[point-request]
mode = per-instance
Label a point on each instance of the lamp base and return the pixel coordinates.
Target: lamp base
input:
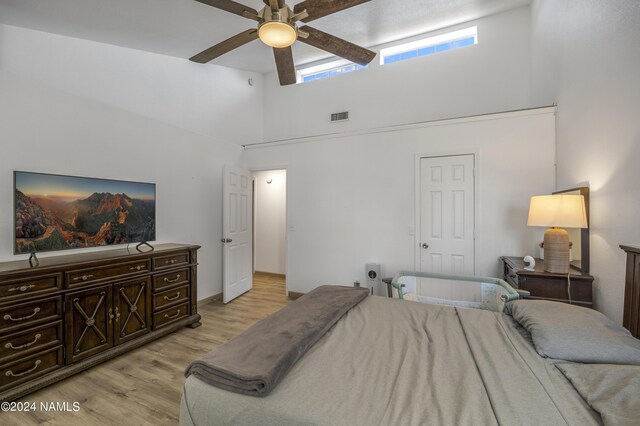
(556, 251)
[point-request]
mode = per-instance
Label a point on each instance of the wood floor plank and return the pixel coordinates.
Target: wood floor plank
(144, 386)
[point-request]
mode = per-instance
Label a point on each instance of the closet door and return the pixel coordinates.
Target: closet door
(447, 225)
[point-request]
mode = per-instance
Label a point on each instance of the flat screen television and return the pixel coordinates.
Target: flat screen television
(56, 212)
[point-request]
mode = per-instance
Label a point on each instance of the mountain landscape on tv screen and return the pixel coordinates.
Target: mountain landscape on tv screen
(45, 224)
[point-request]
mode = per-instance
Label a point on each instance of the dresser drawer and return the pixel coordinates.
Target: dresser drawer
(171, 279)
(30, 368)
(557, 289)
(25, 315)
(168, 316)
(27, 287)
(170, 297)
(172, 261)
(26, 342)
(81, 277)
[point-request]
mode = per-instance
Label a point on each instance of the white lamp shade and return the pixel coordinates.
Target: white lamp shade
(561, 210)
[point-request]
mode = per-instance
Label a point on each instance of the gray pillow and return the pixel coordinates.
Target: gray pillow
(572, 333)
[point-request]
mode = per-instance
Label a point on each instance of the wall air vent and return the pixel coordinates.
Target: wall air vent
(339, 116)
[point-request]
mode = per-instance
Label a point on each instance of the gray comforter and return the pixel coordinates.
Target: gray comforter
(396, 362)
(254, 362)
(612, 390)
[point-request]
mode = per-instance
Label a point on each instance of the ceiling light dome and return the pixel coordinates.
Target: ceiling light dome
(277, 34)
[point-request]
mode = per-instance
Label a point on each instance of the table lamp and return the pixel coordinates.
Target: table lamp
(557, 211)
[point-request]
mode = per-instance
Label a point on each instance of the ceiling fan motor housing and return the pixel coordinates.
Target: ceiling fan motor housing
(272, 29)
(276, 28)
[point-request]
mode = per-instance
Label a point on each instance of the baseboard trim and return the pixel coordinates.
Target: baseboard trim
(271, 274)
(293, 295)
(210, 299)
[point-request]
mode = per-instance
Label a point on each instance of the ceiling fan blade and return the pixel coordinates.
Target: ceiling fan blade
(280, 4)
(319, 8)
(230, 6)
(337, 46)
(286, 68)
(226, 46)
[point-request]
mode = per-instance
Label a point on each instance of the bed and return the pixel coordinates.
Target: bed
(388, 361)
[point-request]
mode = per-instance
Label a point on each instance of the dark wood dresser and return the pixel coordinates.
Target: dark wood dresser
(74, 311)
(631, 316)
(548, 286)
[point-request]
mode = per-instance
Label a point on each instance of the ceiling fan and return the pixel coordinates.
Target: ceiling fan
(277, 28)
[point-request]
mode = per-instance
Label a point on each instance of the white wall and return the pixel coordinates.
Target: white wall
(269, 207)
(492, 76)
(207, 99)
(351, 197)
(77, 107)
(586, 56)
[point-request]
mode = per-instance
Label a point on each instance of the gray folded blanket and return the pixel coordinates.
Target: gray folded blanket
(254, 362)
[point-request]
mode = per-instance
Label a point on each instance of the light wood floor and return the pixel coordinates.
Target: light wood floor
(144, 386)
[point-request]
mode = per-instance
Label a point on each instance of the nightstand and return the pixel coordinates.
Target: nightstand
(547, 286)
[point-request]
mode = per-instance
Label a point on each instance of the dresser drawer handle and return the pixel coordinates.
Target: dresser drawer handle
(176, 297)
(10, 318)
(175, 280)
(176, 315)
(170, 262)
(26, 345)
(22, 287)
(136, 268)
(12, 374)
(83, 277)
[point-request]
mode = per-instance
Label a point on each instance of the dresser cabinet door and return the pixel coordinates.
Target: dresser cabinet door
(132, 309)
(89, 318)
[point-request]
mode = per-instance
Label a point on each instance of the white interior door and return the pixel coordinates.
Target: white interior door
(447, 224)
(236, 233)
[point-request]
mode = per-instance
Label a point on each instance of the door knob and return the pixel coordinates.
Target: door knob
(226, 240)
(425, 245)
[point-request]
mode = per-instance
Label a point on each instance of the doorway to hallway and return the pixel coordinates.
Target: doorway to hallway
(269, 223)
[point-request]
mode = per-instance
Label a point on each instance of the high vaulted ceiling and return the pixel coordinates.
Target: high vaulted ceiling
(183, 28)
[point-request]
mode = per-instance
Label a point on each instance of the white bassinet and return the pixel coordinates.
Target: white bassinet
(454, 290)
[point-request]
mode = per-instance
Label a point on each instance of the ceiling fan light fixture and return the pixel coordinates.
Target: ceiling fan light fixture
(277, 34)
